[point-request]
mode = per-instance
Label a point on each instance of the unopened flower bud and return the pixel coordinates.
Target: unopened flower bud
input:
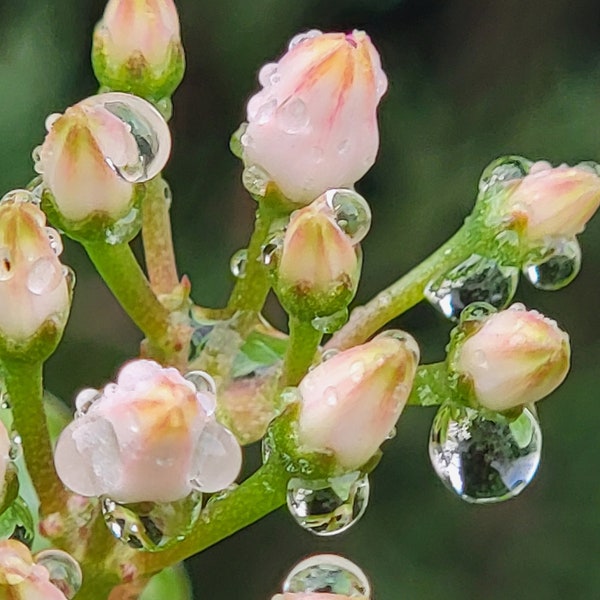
(152, 436)
(137, 48)
(351, 402)
(313, 125)
(555, 201)
(513, 357)
(35, 295)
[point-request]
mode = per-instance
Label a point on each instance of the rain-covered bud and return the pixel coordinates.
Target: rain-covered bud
(313, 125)
(351, 402)
(151, 436)
(137, 48)
(554, 201)
(513, 357)
(35, 293)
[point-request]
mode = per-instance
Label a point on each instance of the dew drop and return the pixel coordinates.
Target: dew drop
(292, 116)
(555, 265)
(271, 251)
(51, 120)
(45, 275)
(407, 340)
(84, 401)
(235, 143)
(357, 371)
(125, 228)
(202, 381)
(343, 146)
(502, 171)
(329, 354)
(255, 180)
(55, 241)
(302, 37)
(70, 276)
(264, 113)
(6, 266)
(15, 451)
(351, 211)
(23, 197)
(36, 156)
(330, 323)
(238, 263)
(481, 456)
(64, 571)
(268, 74)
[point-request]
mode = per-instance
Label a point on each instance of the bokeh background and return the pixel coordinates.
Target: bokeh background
(469, 80)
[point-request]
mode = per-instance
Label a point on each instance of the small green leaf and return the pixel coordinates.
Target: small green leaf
(259, 350)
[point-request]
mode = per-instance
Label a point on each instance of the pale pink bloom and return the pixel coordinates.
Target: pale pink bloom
(313, 125)
(151, 436)
(351, 402)
(315, 596)
(21, 578)
(516, 357)
(34, 289)
(555, 202)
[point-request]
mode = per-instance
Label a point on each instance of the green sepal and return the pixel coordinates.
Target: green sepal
(37, 348)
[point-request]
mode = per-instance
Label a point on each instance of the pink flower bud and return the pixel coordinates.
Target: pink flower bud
(556, 202)
(313, 125)
(34, 287)
(21, 578)
(152, 436)
(351, 402)
(516, 357)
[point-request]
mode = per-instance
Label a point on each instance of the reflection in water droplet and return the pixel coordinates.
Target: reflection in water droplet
(407, 340)
(478, 279)
(15, 451)
(202, 381)
(45, 275)
(329, 354)
(330, 323)
(481, 456)
(328, 507)
(329, 574)
(502, 171)
(301, 37)
(84, 401)
(292, 116)
(555, 266)
(267, 73)
(264, 113)
(55, 240)
(16, 523)
(238, 263)
(352, 212)
(271, 251)
(125, 229)
(63, 569)
(23, 196)
(255, 180)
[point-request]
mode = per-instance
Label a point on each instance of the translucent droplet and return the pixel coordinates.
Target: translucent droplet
(407, 340)
(255, 180)
(85, 399)
(152, 526)
(352, 212)
(343, 146)
(4, 397)
(148, 128)
(238, 263)
(15, 451)
(124, 229)
(23, 197)
(202, 381)
(328, 574)
(235, 143)
(264, 113)
(555, 266)
(302, 37)
(63, 569)
(329, 354)
(55, 240)
(483, 457)
(267, 73)
(70, 276)
(292, 116)
(45, 275)
(16, 523)
(6, 265)
(328, 507)
(272, 249)
(51, 120)
(330, 323)
(502, 171)
(478, 279)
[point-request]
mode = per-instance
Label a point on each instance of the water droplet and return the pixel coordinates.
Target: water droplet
(15, 451)
(124, 229)
(51, 120)
(36, 156)
(63, 569)
(343, 146)
(84, 401)
(45, 275)
(264, 113)
(328, 507)
(255, 180)
(502, 171)
(292, 116)
(4, 397)
(481, 456)
(302, 37)
(478, 312)
(202, 381)
(329, 574)
(6, 265)
(148, 128)
(23, 196)
(392, 434)
(55, 241)
(407, 340)
(152, 526)
(554, 266)
(271, 251)
(330, 323)
(238, 263)
(267, 75)
(478, 279)
(351, 211)
(16, 523)
(357, 371)
(328, 354)
(70, 276)
(235, 142)
(382, 84)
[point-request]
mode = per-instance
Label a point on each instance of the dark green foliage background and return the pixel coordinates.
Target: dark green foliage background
(470, 80)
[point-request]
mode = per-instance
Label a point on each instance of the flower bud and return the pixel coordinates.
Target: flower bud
(515, 357)
(34, 286)
(313, 125)
(555, 202)
(137, 48)
(351, 402)
(152, 436)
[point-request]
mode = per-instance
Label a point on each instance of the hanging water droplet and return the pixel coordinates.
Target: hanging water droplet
(267, 74)
(64, 571)
(478, 312)
(502, 171)
(16, 523)
(483, 457)
(45, 275)
(292, 116)
(555, 266)
(255, 180)
(477, 279)
(152, 526)
(124, 229)
(85, 399)
(392, 434)
(202, 381)
(238, 263)
(330, 323)
(148, 128)
(302, 37)
(6, 266)
(351, 211)
(407, 340)
(328, 574)
(328, 507)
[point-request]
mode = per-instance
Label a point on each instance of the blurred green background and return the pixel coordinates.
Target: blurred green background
(469, 80)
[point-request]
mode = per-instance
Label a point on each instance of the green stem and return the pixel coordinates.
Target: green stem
(408, 290)
(158, 238)
(300, 353)
(259, 495)
(431, 386)
(25, 389)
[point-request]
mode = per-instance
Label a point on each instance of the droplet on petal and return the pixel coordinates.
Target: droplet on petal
(45, 275)
(301, 37)
(64, 571)
(352, 212)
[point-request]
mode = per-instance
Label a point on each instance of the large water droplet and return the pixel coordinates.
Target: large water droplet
(255, 180)
(483, 457)
(45, 275)
(330, 323)
(328, 574)
(302, 37)
(478, 279)
(64, 571)
(293, 116)
(202, 381)
(16, 523)
(351, 212)
(124, 229)
(6, 264)
(554, 266)
(502, 171)
(328, 507)
(148, 128)
(84, 401)
(152, 526)
(238, 263)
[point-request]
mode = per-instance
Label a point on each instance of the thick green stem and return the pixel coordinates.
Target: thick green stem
(300, 353)
(26, 392)
(259, 495)
(158, 239)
